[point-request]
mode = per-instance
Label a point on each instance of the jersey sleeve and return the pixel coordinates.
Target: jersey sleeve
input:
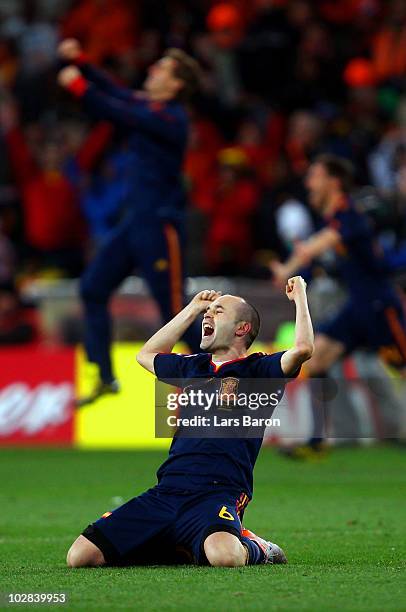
(157, 122)
(269, 366)
(171, 366)
(350, 225)
(105, 83)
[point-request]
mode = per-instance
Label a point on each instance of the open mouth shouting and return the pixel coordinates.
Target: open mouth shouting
(207, 331)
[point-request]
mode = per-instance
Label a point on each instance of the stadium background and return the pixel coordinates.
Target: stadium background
(282, 81)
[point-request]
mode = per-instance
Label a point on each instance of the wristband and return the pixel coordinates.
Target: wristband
(78, 86)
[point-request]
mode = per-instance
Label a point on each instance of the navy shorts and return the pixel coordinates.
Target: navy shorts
(166, 526)
(376, 326)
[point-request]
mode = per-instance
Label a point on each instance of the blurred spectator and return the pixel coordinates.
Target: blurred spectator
(15, 320)
(360, 72)
(106, 28)
(224, 20)
(8, 63)
(272, 235)
(314, 71)
(32, 38)
(8, 259)
(231, 201)
(267, 53)
(389, 46)
(37, 41)
(219, 52)
(283, 81)
(52, 221)
(103, 193)
(390, 209)
(346, 11)
(384, 161)
(303, 140)
(99, 174)
(201, 159)
(250, 139)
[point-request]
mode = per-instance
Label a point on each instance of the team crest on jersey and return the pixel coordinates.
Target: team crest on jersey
(229, 391)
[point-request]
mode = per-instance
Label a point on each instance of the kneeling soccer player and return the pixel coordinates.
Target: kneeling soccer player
(194, 513)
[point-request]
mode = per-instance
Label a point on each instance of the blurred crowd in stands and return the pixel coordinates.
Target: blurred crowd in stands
(283, 80)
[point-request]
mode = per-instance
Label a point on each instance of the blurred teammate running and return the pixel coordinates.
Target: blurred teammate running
(373, 316)
(152, 235)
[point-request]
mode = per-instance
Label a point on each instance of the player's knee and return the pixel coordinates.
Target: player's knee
(224, 549)
(74, 558)
(84, 553)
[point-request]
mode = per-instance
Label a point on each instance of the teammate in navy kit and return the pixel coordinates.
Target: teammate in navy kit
(152, 234)
(373, 316)
(194, 513)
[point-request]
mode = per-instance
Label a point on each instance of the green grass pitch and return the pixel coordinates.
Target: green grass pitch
(342, 523)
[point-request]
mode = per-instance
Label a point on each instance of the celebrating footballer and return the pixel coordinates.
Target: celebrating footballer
(194, 513)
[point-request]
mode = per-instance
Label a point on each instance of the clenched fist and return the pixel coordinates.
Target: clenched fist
(295, 287)
(204, 298)
(69, 49)
(67, 75)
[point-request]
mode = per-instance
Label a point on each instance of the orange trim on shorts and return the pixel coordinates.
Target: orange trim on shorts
(175, 267)
(397, 329)
(241, 503)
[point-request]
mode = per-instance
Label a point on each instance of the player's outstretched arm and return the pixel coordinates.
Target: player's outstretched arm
(165, 339)
(168, 126)
(70, 51)
(304, 337)
(304, 253)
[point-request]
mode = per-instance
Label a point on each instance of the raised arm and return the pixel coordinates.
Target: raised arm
(304, 338)
(23, 163)
(70, 52)
(158, 122)
(304, 253)
(104, 82)
(165, 339)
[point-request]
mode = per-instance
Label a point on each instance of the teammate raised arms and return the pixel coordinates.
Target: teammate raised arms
(194, 514)
(152, 235)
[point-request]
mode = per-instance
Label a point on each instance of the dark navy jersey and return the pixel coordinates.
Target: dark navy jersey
(210, 462)
(361, 262)
(157, 138)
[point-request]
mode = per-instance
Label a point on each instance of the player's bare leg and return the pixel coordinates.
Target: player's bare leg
(224, 549)
(326, 353)
(84, 553)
